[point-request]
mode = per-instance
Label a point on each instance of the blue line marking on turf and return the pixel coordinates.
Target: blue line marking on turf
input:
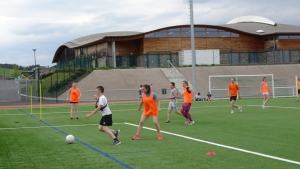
(130, 152)
(83, 143)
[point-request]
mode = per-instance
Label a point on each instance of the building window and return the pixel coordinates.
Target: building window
(283, 56)
(212, 34)
(234, 35)
(200, 34)
(161, 34)
(174, 33)
(235, 58)
(283, 37)
(149, 35)
(224, 34)
(295, 37)
(252, 57)
(186, 32)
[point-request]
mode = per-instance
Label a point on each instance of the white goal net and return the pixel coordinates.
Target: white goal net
(250, 85)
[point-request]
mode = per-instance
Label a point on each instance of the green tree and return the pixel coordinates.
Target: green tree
(15, 72)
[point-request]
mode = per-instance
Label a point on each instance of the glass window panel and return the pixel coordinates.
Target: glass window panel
(161, 34)
(199, 29)
(212, 34)
(235, 58)
(211, 30)
(186, 34)
(235, 35)
(185, 29)
(283, 37)
(252, 57)
(149, 35)
(199, 34)
(295, 37)
(174, 34)
(224, 34)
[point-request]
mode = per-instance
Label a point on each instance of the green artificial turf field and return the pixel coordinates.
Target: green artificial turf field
(27, 143)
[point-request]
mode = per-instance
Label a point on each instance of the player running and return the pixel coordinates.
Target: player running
(298, 84)
(188, 94)
(151, 108)
(265, 91)
(173, 102)
(233, 93)
(106, 119)
(75, 95)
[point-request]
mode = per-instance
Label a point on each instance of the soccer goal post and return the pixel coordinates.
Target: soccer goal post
(249, 85)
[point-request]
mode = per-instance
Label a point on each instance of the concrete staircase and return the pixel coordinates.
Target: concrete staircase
(173, 75)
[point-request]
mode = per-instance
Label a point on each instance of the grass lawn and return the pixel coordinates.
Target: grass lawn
(27, 143)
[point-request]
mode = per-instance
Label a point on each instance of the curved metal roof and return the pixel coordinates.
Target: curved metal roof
(238, 25)
(96, 37)
(251, 18)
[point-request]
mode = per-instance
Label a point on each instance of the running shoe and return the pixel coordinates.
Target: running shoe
(136, 137)
(191, 122)
(116, 142)
(159, 137)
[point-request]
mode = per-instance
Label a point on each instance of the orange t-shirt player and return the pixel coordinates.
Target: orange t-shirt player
(151, 108)
(233, 92)
(75, 95)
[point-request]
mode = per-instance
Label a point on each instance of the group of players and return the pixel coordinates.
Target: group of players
(151, 105)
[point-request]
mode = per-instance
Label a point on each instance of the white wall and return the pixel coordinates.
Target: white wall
(206, 57)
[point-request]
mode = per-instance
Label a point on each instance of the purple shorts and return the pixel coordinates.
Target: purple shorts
(185, 108)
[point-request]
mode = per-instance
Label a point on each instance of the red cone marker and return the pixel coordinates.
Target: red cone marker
(211, 153)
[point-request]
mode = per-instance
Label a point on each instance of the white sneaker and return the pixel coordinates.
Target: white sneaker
(191, 122)
(240, 109)
(232, 111)
(187, 121)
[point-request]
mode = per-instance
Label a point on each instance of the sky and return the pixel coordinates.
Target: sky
(46, 24)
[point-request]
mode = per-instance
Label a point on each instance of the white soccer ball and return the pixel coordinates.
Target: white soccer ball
(70, 139)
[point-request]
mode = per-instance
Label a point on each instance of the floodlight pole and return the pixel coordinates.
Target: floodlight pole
(193, 48)
(36, 75)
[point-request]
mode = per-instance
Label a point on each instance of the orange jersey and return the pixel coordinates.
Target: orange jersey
(75, 93)
(264, 87)
(233, 89)
(150, 108)
(188, 97)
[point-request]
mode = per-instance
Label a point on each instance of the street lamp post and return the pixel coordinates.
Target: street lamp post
(35, 74)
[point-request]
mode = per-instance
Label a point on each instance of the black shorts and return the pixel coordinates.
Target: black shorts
(298, 91)
(106, 120)
(233, 98)
(73, 102)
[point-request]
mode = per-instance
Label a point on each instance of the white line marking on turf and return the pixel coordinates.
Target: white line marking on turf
(221, 145)
(38, 127)
(279, 107)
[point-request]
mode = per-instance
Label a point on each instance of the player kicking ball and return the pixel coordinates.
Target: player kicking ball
(106, 120)
(151, 108)
(233, 93)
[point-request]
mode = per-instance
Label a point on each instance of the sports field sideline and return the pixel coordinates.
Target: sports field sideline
(255, 138)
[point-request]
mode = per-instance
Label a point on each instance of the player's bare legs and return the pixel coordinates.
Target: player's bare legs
(71, 111)
(266, 99)
(76, 109)
(233, 106)
(141, 124)
(168, 115)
